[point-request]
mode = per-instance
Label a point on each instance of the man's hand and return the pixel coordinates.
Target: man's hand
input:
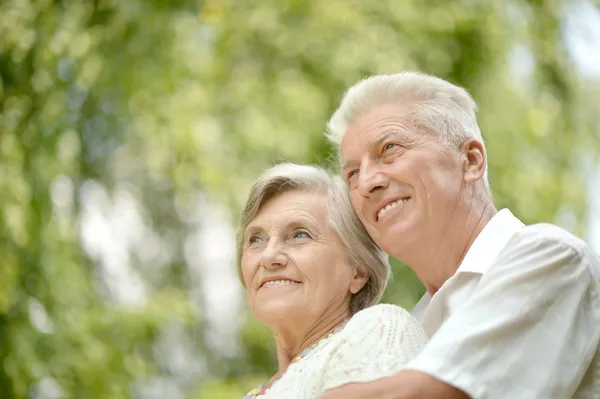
(355, 391)
(406, 384)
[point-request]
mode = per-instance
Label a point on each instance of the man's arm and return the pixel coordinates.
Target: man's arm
(406, 384)
(530, 330)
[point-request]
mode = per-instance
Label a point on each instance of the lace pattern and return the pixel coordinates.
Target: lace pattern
(376, 342)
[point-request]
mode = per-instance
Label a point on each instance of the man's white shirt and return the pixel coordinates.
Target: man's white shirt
(519, 319)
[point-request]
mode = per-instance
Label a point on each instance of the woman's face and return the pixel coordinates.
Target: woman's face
(293, 263)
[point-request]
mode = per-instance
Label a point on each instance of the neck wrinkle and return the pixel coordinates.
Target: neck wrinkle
(457, 239)
(291, 342)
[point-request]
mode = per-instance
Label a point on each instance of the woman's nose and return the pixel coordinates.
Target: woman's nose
(273, 257)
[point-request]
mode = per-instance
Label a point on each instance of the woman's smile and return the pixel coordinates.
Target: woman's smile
(279, 284)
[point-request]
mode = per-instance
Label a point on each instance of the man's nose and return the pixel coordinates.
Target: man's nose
(371, 179)
(273, 256)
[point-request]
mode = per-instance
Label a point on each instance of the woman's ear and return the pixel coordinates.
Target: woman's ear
(358, 280)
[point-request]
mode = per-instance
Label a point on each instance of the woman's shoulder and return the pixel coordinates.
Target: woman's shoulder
(382, 314)
(377, 341)
(383, 321)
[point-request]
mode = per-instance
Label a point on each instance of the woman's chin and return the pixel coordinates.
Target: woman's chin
(274, 304)
(277, 311)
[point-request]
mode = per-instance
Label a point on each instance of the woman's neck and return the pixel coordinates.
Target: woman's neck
(299, 334)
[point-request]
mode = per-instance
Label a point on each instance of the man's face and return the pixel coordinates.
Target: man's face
(404, 182)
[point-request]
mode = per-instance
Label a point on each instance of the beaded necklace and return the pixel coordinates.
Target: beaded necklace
(256, 392)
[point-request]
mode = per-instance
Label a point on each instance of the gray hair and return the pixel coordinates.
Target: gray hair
(436, 105)
(361, 250)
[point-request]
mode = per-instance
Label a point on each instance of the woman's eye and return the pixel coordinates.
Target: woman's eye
(301, 234)
(352, 173)
(253, 239)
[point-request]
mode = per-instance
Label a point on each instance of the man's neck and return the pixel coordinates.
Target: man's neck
(445, 259)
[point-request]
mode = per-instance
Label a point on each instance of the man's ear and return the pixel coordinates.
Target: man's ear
(359, 280)
(474, 160)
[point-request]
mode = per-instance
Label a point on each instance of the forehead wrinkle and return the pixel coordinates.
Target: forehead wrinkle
(374, 142)
(393, 125)
(383, 136)
(400, 132)
(299, 216)
(299, 219)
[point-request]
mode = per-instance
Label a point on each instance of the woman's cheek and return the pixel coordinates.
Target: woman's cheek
(248, 271)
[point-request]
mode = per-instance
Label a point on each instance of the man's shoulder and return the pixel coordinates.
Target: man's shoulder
(553, 243)
(550, 234)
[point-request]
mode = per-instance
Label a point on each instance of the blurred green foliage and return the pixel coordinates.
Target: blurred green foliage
(157, 105)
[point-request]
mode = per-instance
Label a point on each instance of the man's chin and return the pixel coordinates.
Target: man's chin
(395, 239)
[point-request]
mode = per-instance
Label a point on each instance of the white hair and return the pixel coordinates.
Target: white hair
(361, 250)
(436, 105)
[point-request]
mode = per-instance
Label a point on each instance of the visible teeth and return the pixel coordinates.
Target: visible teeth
(278, 282)
(390, 206)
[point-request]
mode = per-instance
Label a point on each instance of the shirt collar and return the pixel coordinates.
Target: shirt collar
(488, 244)
(483, 252)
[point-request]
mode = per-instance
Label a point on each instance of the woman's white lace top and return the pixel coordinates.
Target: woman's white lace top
(376, 342)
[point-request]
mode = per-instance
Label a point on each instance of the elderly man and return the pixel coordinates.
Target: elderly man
(513, 311)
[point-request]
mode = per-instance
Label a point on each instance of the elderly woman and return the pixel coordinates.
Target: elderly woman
(312, 274)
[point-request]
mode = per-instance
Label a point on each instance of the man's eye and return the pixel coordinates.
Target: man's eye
(388, 146)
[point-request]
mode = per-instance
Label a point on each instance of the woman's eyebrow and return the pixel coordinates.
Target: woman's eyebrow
(307, 221)
(251, 229)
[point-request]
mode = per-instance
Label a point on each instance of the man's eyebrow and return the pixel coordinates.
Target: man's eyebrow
(375, 143)
(386, 135)
(344, 164)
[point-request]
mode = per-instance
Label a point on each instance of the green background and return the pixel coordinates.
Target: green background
(130, 131)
